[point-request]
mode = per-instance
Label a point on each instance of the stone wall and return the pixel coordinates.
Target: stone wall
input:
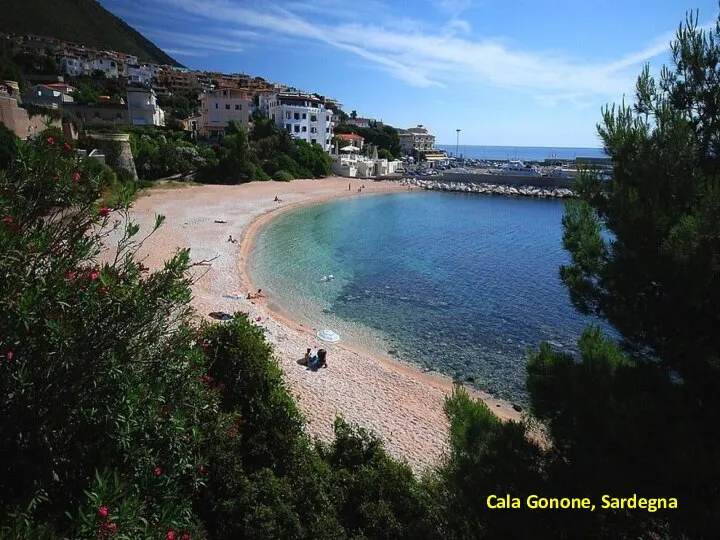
(17, 120)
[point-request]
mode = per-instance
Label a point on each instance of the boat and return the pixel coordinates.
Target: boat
(516, 168)
(563, 172)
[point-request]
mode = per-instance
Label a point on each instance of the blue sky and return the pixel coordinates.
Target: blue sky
(505, 72)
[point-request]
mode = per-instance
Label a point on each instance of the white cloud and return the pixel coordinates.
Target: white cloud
(185, 52)
(426, 57)
(452, 7)
(203, 42)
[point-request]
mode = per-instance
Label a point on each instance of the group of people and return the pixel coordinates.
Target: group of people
(315, 360)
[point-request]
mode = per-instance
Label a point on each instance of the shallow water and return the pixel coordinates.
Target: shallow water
(458, 283)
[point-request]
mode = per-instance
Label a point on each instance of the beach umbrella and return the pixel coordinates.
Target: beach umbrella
(350, 148)
(328, 336)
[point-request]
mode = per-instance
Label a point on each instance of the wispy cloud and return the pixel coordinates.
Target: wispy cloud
(186, 52)
(204, 41)
(436, 56)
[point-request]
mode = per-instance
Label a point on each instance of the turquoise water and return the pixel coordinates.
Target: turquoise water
(457, 283)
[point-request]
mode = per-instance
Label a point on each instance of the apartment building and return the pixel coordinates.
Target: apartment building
(52, 95)
(303, 115)
(143, 109)
(109, 66)
(177, 80)
(221, 106)
(416, 139)
(73, 66)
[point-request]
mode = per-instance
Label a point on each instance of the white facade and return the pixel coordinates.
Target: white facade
(143, 109)
(106, 65)
(139, 74)
(221, 106)
(303, 116)
(75, 67)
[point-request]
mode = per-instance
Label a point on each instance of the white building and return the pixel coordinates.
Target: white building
(221, 106)
(75, 67)
(143, 109)
(303, 116)
(107, 65)
(139, 74)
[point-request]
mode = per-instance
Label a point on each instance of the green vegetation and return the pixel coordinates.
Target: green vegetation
(266, 152)
(383, 137)
(121, 416)
(80, 21)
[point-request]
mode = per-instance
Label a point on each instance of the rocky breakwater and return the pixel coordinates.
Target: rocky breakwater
(488, 189)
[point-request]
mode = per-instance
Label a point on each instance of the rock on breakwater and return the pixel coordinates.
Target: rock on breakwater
(488, 189)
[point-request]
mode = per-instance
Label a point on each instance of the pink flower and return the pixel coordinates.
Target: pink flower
(8, 221)
(206, 344)
(206, 379)
(170, 535)
(186, 536)
(76, 176)
(103, 511)
(232, 432)
(104, 210)
(201, 468)
(104, 289)
(10, 354)
(70, 275)
(157, 471)
(94, 275)
(51, 140)
(67, 147)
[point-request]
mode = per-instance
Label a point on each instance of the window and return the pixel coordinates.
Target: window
(313, 130)
(216, 105)
(288, 116)
(313, 141)
(288, 127)
(304, 129)
(273, 117)
(313, 117)
(224, 93)
(237, 107)
(304, 116)
(297, 128)
(227, 106)
(297, 116)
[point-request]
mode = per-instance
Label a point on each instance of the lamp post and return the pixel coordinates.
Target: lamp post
(457, 144)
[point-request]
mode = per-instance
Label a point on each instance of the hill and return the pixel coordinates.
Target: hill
(81, 21)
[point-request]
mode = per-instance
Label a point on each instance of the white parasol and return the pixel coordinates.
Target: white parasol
(350, 148)
(328, 335)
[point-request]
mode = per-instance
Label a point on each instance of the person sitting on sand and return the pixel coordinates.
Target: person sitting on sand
(258, 294)
(230, 238)
(319, 360)
(276, 199)
(306, 358)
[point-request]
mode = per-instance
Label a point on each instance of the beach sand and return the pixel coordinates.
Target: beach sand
(396, 401)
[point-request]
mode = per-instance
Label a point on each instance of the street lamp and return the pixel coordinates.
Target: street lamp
(457, 144)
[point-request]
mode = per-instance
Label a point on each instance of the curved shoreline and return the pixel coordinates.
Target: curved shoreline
(503, 409)
(400, 404)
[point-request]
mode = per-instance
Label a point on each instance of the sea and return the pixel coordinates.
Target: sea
(462, 284)
(524, 153)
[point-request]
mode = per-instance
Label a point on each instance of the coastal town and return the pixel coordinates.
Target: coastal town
(144, 94)
(89, 90)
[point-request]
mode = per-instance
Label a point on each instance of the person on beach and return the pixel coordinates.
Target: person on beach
(319, 360)
(258, 294)
(348, 186)
(307, 357)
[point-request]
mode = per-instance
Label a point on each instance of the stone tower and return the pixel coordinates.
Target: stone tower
(125, 159)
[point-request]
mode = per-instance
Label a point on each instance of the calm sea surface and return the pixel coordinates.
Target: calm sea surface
(459, 283)
(527, 153)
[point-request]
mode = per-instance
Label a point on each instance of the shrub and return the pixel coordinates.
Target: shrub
(282, 176)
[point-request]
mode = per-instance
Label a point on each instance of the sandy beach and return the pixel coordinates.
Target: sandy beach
(401, 404)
